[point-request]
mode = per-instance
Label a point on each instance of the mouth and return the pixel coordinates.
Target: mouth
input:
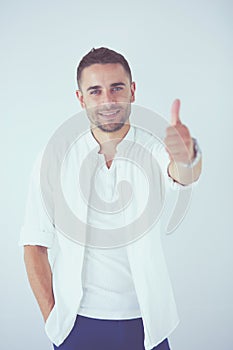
(109, 114)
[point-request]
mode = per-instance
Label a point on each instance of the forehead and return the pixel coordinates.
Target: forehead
(103, 74)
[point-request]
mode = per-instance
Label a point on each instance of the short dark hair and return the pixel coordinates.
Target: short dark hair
(102, 55)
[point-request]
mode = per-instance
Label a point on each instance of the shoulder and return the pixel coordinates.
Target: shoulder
(149, 140)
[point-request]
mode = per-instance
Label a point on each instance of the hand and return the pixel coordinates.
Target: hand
(46, 312)
(178, 141)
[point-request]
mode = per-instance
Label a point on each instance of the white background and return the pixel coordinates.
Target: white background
(176, 49)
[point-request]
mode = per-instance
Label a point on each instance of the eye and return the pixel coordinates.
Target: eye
(117, 88)
(95, 92)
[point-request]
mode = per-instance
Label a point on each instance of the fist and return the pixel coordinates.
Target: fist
(178, 141)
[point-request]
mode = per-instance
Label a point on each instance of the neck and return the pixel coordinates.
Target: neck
(109, 140)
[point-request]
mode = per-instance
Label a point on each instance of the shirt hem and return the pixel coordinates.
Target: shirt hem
(152, 345)
(112, 316)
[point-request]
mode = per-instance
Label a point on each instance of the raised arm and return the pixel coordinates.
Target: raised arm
(181, 150)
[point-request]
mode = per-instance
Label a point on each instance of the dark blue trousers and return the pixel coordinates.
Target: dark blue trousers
(98, 334)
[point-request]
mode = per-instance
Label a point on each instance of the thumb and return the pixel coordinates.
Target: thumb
(175, 111)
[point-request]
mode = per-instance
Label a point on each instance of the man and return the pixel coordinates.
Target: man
(120, 297)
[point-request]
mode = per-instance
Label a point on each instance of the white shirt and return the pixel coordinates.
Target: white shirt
(108, 288)
(145, 255)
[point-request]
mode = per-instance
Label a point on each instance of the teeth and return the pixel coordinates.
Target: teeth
(108, 113)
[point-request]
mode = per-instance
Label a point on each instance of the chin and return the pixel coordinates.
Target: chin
(110, 127)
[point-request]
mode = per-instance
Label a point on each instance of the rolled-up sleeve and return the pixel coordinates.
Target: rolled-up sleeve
(163, 159)
(38, 228)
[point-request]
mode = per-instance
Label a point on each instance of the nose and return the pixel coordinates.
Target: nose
(107, 97)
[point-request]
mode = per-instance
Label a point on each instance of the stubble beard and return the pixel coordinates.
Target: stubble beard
(111, 125)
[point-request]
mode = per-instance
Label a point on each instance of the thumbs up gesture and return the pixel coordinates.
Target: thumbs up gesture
(178, 141)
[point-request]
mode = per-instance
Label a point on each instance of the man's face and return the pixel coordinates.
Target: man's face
(106, 93)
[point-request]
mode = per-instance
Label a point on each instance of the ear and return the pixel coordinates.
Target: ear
(80, 97)
(133, 89)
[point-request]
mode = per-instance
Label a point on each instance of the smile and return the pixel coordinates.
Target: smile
(109, 114)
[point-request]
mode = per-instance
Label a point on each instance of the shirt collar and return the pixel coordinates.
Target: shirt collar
(92, 142)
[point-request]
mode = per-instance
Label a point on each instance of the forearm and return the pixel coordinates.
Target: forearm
(183, 175)
(40, 277)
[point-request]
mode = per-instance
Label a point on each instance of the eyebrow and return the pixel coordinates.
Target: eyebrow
(99, 87)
